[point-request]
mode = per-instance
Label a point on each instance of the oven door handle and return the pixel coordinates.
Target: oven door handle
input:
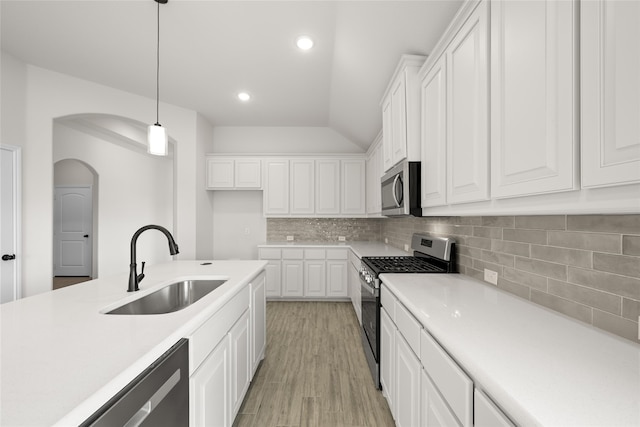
(370, 288)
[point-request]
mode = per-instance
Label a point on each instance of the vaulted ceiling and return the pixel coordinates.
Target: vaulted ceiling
(210, 50)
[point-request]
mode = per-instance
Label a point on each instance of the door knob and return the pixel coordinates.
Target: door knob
(86, 235)
(7, 257)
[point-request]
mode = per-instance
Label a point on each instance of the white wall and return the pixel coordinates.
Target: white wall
(51, 95)
(280, 140)
(135, 189)
(234, 213)
(204, 198)
(70, 172)
(13, 89)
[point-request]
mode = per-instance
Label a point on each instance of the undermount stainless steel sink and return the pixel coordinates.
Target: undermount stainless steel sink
(172, 297)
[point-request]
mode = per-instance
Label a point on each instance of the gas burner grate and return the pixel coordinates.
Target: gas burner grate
(402, 264)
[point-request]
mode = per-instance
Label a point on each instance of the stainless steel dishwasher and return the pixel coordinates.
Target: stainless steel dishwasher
(159, 396)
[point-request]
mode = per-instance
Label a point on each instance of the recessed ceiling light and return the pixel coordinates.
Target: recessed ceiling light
(304, 42)
(244, 96)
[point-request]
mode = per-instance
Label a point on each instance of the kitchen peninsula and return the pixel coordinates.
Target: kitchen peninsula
(62, 358)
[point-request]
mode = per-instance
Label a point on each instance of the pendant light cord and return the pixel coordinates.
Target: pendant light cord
(158, 70)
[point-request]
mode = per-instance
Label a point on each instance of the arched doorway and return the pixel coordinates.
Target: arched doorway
(75, 222)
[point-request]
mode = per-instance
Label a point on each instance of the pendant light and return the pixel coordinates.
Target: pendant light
(156, 134)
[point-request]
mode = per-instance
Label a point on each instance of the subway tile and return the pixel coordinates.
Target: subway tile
(625, 224)
(498, 258)
(498, 221)
(614, 283)
(464, 230)
(541, 222)
(515, 248)
(617, 325)
(569, 308)
(618, 264)
(514, 288)
(630, 309)
(543, 268)
(599, 242)
(631, 245)
(488, 232)
(574, 257)
(481, 265)
(587, 296)
(469, 251)
(465, 260)
(478, 242)
(526, 236)
(525, 278)
(476, 274)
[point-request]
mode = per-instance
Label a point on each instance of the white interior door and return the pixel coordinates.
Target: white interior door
(72, 228)
(9, 225)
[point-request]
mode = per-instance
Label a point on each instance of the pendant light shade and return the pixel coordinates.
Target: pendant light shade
(157, 138)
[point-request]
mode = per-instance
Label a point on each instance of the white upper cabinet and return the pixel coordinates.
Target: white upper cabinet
(610, 92)
(225, 173)
(434, 136)
(276, 187)
(327, 187)
(533, 99)
(373, 174)
(302, 187)
(468, 111)
(353, 187)
(401, 113)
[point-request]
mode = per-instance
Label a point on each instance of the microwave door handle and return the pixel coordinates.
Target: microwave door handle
(394, 192)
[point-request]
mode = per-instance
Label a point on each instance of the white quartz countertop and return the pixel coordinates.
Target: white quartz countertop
(360, 248)
(542, 368)
(61, 358)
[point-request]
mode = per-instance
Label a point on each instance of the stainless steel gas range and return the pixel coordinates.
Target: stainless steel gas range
(431, 255)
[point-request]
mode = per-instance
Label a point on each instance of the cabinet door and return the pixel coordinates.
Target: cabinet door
(240, 361)
(434, 136)
(533, 99)
(314, 279)
(327, 187)
(399, 120)
(610, 92)
(353, 187)
(434, 411)
(467, 111)
(210, 389)
(302, 187)
(337, 278)
(258, 321)
(387, 134)
(219, 173)
(248, 173)
(388, 359)
(273, 278)
(354, 292)
(276, 188)
(407, 384)
(292, 278)
(486, 413)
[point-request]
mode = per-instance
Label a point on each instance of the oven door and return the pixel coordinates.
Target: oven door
(370, 301)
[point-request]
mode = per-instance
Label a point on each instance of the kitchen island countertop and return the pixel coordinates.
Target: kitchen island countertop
(541, 367)
(61, 358)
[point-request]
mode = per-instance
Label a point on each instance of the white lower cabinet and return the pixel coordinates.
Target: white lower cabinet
(273, 279)
(240, 336)
(486, 413)
(407, 384)
(314, 278)
(258, 321)
(209, 389)
(337, 280)
(292, 278)
(434, 410)
(387, 359)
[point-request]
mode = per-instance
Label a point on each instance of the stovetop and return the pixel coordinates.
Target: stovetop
(401, 264)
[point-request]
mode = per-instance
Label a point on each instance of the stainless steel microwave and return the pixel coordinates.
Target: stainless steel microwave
(401, 190)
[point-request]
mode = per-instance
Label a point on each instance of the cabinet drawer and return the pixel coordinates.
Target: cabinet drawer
(388, 301)
(269, 253)
(314, 254)
(292, 254)
(408, 326)
(454, 385)
(337, 254)
(207, 336)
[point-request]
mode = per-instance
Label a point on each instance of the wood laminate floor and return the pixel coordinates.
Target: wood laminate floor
(314, 372)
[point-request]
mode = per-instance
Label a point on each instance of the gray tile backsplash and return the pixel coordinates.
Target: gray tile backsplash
(584, 266)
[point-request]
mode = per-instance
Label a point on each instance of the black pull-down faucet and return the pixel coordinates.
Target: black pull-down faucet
(134, 278)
